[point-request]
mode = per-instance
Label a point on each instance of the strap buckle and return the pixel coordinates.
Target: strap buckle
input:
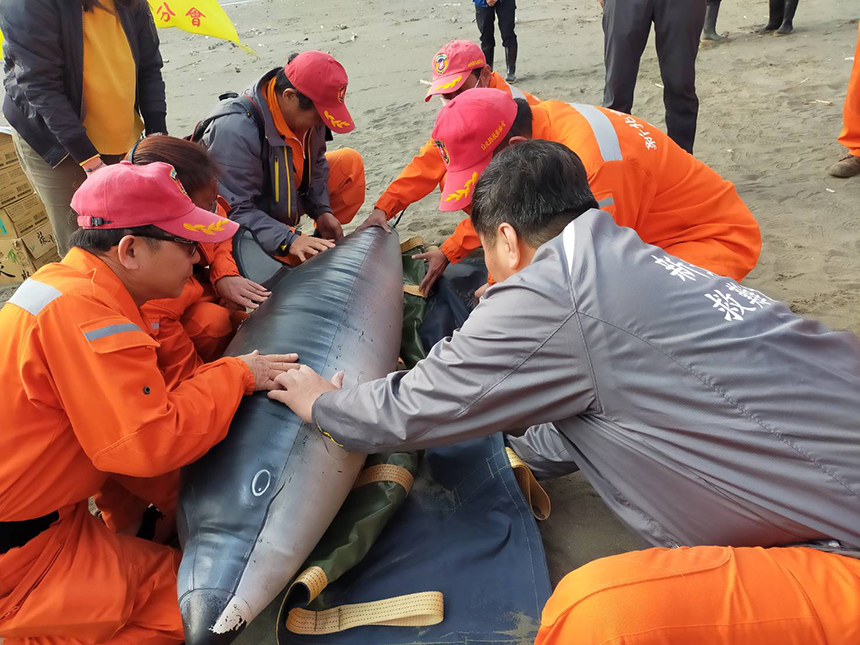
(87, 221)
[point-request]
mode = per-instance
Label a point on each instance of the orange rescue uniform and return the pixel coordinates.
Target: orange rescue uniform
(346, 183)
(850, 137)
(708, 595)
(648, 183)
(86, 407)
(196, 313)
(426, 171)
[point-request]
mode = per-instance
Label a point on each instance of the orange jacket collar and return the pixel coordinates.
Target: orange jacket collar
(105, 280)
(278, 116)
(541, 127)
(498, 83)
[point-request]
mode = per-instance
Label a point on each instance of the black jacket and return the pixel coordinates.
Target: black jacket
(44, 61)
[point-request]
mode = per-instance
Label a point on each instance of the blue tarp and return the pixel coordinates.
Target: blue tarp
(465, 530)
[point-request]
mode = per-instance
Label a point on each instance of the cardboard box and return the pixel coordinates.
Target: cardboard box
(16, 263)
(14, 184)
(40, 241)
(8, 156)
(23, 216)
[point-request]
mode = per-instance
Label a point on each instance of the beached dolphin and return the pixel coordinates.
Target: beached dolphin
(254, 507)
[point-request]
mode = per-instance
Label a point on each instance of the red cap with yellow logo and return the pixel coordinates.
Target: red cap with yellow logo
(467, 132)
(127, 196)
(452, 66)
(323, 80)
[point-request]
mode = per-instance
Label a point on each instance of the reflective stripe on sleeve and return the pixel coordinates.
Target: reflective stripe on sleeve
(110, 330)
(601, 126)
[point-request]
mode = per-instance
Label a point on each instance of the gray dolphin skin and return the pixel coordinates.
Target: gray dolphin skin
(253, 508)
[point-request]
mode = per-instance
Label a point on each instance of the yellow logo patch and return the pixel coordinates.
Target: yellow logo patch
(457, 195)
(336, 122)
(448, 86)
(214, 227)
(493, 136)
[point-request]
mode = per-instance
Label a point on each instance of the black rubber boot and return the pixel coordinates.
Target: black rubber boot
(511, 62)
(788, 18)
(777, 13)
(488, 54)
(709, 33)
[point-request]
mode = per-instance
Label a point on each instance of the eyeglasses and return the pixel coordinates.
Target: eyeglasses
(190, 245)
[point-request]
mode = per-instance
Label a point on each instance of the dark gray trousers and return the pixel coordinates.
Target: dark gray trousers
(506, 10)
(677, 26)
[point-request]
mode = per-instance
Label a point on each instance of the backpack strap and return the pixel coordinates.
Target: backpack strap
(248, 105)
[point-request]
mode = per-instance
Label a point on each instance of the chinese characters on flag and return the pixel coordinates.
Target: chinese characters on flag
(203, 17)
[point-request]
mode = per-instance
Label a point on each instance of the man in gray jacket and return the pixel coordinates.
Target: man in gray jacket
(270, 144)
(702, 412)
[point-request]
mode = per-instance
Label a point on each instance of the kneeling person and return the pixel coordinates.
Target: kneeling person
(702, 412)
(206, 315)
(458, 67)
(270, 144)
(87, 409)
(637, 174)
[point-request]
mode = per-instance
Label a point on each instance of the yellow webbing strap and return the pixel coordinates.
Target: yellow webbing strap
(412, 610)
(411, 243)
(314, 579)
(534, 493)
(413, 290)
(386, 473)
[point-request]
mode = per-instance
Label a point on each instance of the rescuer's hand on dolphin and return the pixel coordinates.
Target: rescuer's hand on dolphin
(266, 368)
(241, 292)
(301, 388)
(436, 264)
(305, 246)
(376, 218)
(329, 227)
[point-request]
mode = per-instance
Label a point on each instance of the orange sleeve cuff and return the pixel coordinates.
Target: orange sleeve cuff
(218, 271)
(453, 251)
(389, 205)
(222, 262)
(462, 242)
(250, 385)
(417, 180)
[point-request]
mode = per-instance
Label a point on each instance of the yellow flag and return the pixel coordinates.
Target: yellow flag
(204, 17)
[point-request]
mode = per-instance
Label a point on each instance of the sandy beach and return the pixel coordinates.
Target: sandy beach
(771, 109)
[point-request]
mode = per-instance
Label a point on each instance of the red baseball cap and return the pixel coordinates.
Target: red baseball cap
(125, 195)
(452, 66)
(467, 132)
(323, 80)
